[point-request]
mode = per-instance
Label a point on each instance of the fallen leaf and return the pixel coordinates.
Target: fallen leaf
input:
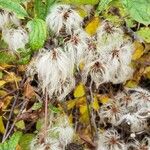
(84, 116)
(79, 90)
(70, 118)
(81, 65)
(83, 109)
(71, 104)
(20, 124)
(1, 74)
(103, 98)
(2, 83)
(92, 26)
(12, 77)
(2, 128)
(139, 50)
(131, 84)
(147, 72)
(29, 91)
(2, 93)
(95, 104)
(6, 101)
(6, 66)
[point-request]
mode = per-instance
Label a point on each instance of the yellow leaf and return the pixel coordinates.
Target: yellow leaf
(139, 50)
(2, 93)
(11, 77)
(2, 82)
(148, 75)
(92, 26)
(131, 84)
(103, 98)
(84, 117)
(95, 104)
(147, 69)
(81, 12)
(70, 118)
(81, 66)
(6, 66)
(147, 72)
(2, 128)
(71, 104)
(79, 91)
(83, 109)
(6, 102)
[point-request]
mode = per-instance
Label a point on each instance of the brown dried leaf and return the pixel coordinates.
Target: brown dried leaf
(29, 91)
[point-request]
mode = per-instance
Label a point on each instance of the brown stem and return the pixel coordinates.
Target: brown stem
(12, 126)
(89, 98)
(46, 114)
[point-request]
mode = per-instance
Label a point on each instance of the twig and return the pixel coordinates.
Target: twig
(9, 118)
(9, 132)
(11, 92)
(92, 114)
(46, 113)
(93, 127)
(5, 136)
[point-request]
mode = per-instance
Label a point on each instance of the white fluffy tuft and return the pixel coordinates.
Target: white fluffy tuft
(15, 38)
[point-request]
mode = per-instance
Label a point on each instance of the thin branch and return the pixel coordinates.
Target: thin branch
(46, 114)
(9, 132)
(11, 92)
(10, 116)
(5, 136)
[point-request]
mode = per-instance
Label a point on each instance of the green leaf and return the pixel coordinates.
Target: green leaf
(102, 5)
(36, 106)
(25, 141)
(25, 56)
(144, 33)
(39, 124)
(19, 1)
(49, 3)
(1, 74)
(6, 57)
(54, 109)
(81, 2)
(40, 9)
(12, 142)
(20, 124)
(139, 10)
(37, 33)
(13, 7)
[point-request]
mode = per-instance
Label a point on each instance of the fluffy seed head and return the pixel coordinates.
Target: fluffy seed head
(7, 19)
(55, 72)
(15, 38)
(110, 140)
(63, 17)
